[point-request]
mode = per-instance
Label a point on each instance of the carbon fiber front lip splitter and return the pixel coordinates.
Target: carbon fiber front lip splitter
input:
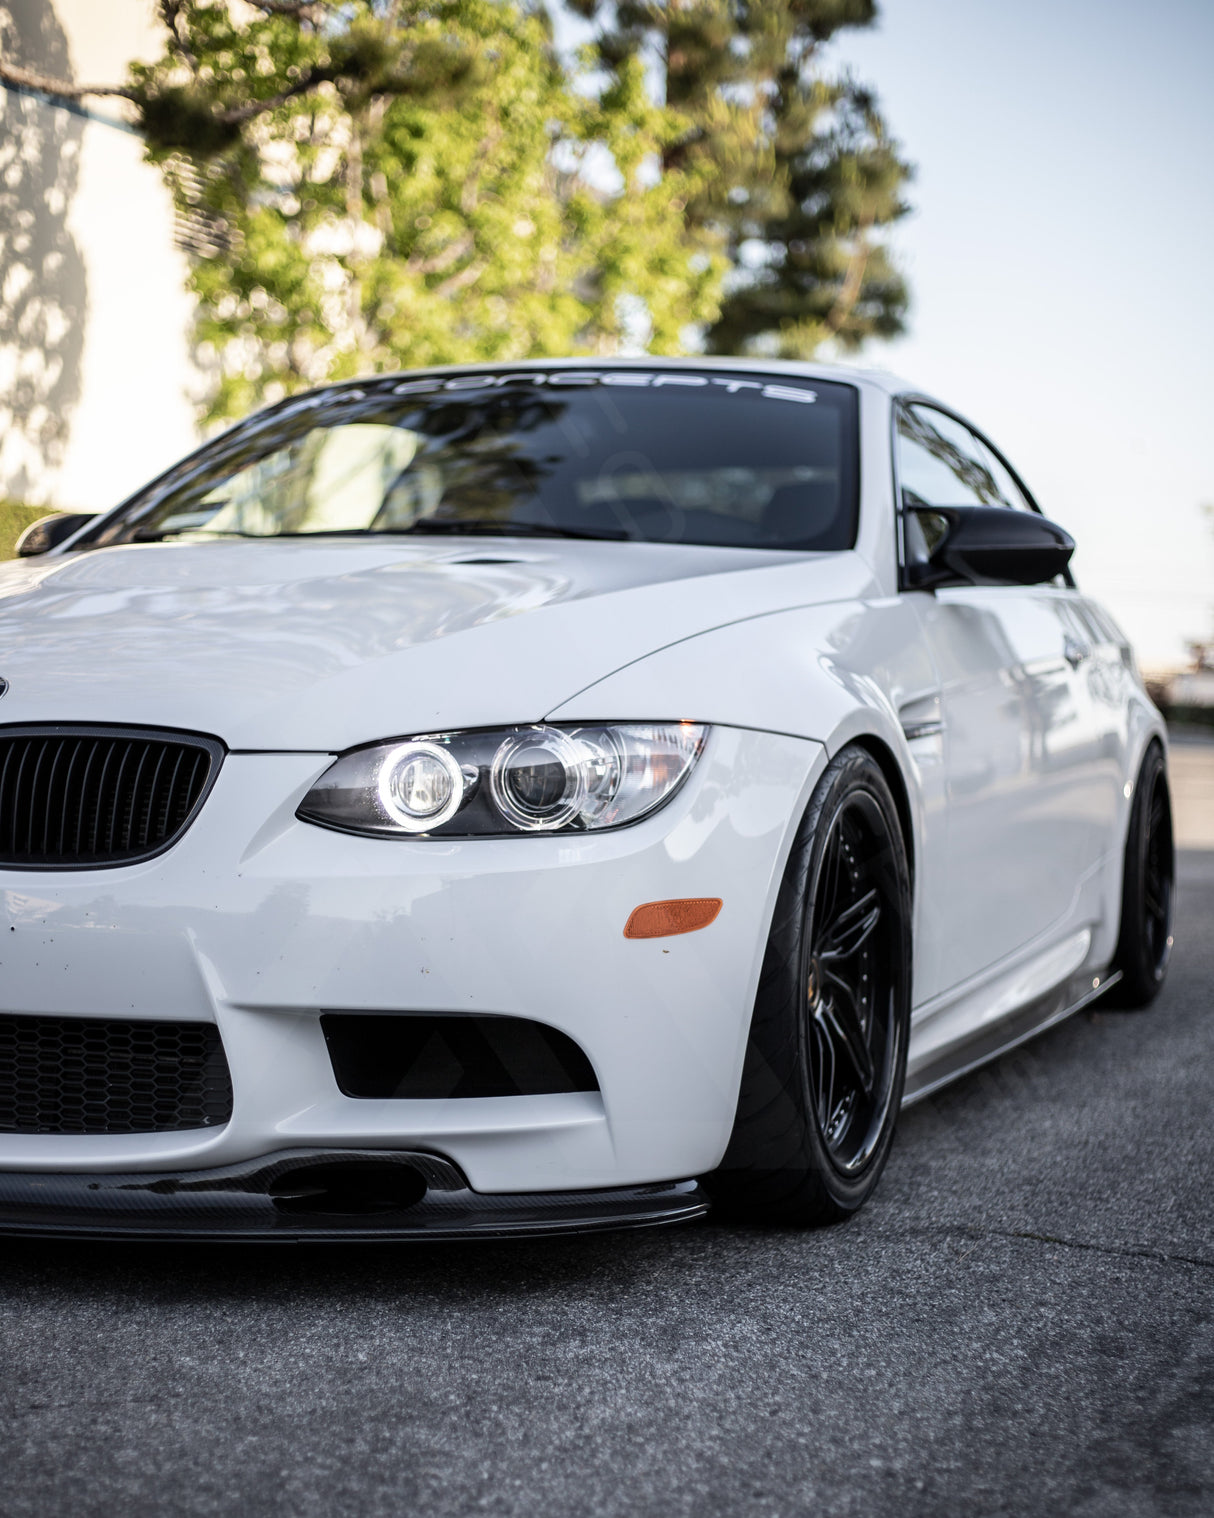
(288, 1196)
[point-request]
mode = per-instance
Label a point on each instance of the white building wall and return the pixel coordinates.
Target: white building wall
(96, 376)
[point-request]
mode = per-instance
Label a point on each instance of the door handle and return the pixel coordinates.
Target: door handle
(1074, 652)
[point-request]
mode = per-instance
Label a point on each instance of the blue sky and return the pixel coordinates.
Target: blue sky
(1061, 257)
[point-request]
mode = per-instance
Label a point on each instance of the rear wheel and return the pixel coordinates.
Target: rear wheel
(1147, 889)
(826, 1058)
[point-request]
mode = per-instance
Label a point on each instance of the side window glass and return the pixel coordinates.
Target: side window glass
(1010, 492)
(1100, 629)
(942, 463)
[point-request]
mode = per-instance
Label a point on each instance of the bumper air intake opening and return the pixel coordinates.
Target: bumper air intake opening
(110, 1075)
(429, 1056)
(348, 1189)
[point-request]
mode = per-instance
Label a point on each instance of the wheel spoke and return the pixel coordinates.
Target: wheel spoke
(832, 867)
(850, 999)
(826, 1074)
(850, 930)
(1155, 887)
(839, 1021)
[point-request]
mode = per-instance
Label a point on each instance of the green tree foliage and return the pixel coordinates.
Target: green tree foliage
(364, 185)
(799, 175)
(368, 186)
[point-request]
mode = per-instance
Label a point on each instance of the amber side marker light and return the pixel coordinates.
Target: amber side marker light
(661, 919)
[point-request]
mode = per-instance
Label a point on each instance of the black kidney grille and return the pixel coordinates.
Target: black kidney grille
(102, 1075)
(72, 798)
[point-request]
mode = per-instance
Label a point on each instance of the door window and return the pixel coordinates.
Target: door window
(942, 463)
(1009, 492)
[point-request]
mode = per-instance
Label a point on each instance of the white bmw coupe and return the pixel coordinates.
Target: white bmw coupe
(541, 797)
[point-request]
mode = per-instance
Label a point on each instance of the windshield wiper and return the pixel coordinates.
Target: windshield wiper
(474, 526)
(484, 526)
(157, 536)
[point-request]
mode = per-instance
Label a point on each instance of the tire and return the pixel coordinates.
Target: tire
(1148, 889)
(810, 1138)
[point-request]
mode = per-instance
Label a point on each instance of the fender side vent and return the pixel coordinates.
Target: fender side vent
(426, 1056)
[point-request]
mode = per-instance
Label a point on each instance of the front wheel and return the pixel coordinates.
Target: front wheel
(826, 1058)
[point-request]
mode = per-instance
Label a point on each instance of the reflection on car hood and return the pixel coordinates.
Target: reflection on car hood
(319, 645)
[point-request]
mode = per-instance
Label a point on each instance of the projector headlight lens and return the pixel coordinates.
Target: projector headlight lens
(536, 780)
(420, 786)
(540, 779)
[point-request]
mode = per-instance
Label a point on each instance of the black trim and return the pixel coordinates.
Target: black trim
(903, 402)
(49, 532)
(431, 1056)
(990, 545)
(214, 748)
(979, 1046)
(103, 1075)
(299, 1195)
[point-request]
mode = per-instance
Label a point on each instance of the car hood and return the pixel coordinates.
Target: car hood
(321, 645)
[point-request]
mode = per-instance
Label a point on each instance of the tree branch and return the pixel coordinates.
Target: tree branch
(304, 9)
(853, 281)
(460, 281)
(12, 73)
(440, 262)
(170, 16)
(470, 195)
(676, 154)
(239, 114)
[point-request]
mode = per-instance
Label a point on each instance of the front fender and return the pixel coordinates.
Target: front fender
(835, 673)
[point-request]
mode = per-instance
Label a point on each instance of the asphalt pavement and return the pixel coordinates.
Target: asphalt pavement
(1021, 1322)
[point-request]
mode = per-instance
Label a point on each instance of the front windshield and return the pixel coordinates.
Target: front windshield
(675, 457)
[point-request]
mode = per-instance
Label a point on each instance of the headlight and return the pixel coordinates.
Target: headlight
(515, 780)
(419, 787)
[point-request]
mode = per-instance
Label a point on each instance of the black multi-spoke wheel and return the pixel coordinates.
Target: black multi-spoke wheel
(1148, 884)
(850, 998)
(826, 1057)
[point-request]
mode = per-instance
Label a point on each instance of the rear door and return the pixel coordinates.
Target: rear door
(1022, 736)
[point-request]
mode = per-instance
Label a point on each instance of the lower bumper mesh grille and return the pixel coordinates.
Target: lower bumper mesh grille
(103, 1075)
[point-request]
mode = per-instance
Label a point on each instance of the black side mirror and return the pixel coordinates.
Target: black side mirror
(48, 532)
(986, 545)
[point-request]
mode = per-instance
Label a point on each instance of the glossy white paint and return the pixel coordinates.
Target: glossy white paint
(1011, 720)
(325, 645)
(262, 922)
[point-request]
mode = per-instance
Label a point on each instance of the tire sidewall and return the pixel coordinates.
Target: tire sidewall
(1143, 974)
(776, 1168)
(854, 770)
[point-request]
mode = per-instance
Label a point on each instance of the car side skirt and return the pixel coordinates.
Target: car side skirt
(988, 1043)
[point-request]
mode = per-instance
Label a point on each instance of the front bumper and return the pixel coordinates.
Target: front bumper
(261, 923)
(312, 1196)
